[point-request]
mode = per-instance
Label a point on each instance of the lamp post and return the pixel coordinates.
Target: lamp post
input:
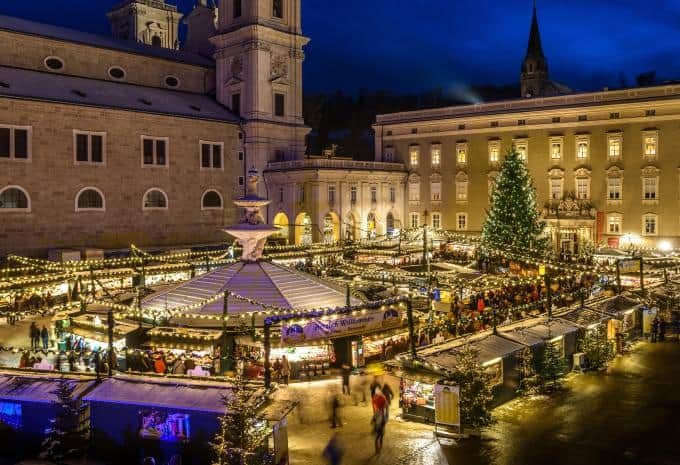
(224, 351)
(411, 329)
(112, 356)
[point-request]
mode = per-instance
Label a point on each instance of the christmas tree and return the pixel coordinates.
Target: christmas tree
(476, 394)
(528, 379)
(598, 350)
(553, 367)
(242, 438)
(513, 220)
(67, 434)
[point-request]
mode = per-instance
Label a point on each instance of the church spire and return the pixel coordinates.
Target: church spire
(534, 48)
(534, 76)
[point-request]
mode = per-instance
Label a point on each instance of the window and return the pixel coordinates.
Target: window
(89, 147)
(54, 63)
(374, 194)
(14, 198)
(436, 220)
(331, 194)
(650, 113)
(280, 194)
(415, 220)
(15, 142)
(301, 194)
(521, 122)
(90, 199)
(238, 8)
(556, 148)
(583, 117)
(414, 191)
(279, 105)
(583, 188)
(461, 127)
(494, 124)
(650, 145)
(614, 223)
(461, 153)
(414, 155)
(494, 152)
(155, 199)
(436, 191)
(650, 188)
(212, 200)
(461, 221)
(156, 41)
(277, 8)
(353, 195)
(279, 155)
(236, 104)
(414, 131)
(556, 119)
(211, 155)
(614, 146)
(582, 147)
(240, 156)
(241, 180)
(117, 73)
(388, 156)
(614, 115)
(436, 155)
(393, 194)
(461, 188)
(556, 189)
(522, 149)
(172, 81)
(154, 151)
(650, 225)
(614, 188)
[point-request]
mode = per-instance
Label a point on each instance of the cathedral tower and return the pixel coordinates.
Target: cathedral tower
(150, 22)
(534, 77)
(259, 55)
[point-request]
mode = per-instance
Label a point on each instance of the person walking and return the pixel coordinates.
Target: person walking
(389, 395)
(34, 334)
(346, 372)
(333, 452)
(45, 335)
(335, 411)
(655, 328)
(379, 419)
(285, 370)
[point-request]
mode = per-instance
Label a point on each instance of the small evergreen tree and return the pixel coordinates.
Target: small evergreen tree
(68, 433)
(476, 395)
(513, 219)
(553, 367)
(242, 438)
(598, 350)
(528, 379)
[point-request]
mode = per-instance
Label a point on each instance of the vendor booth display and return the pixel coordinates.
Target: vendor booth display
(90, 332)
(625, 321)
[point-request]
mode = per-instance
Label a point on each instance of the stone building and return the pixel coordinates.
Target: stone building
(605, 164)
(135, 138)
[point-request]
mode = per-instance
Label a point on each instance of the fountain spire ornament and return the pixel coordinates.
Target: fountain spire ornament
(252, 231)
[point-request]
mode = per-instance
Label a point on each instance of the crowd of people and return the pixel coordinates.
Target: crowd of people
(14, 308)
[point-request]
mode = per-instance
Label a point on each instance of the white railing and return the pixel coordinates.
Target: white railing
(333, 163)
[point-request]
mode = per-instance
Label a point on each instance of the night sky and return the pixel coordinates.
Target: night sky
(413, 45)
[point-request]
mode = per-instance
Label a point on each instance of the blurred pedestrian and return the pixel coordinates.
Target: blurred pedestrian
(45, 335)
(335, 411)
(333, 452)
(379, 420)
(34, 333)
(389, 395)
(346, 372)
(285, 370)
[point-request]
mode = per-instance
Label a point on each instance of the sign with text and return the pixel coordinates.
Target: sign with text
(629, 266)
(343, 325)
(447, 405)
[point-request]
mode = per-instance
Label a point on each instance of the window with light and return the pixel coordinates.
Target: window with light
(615, 148)
(494, 152)
(415, 220)
(461, 221)
(436, 220)
(414, 192)
(331, 194)
(522, 151)
(582, 150)
(614, 188)
(582, 188)
(651, 145)
(650, 188)
(461, 154)
(461, 190)
(556, 150)
(436, 191)
(414, 155)
(615, 224)
(556, 189)
(436, 155)
(650, 225)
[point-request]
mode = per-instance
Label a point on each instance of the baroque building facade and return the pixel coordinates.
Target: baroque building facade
(605, 164)
(136, 138)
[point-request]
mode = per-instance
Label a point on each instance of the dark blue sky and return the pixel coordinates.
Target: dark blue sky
(411, 45)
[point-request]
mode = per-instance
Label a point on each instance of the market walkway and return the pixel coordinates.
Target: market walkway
(624, 416)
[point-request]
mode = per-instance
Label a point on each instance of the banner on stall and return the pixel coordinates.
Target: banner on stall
(629, 266)
(345, 325)
(447, 405)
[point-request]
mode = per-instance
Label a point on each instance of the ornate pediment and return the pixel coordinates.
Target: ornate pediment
(650, 170)
(461, 176)
(556, 173)
(582, 173)
(569, 208)
(414, 178)
(614, 172)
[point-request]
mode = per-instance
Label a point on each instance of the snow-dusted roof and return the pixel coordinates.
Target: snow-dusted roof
(37, 388)
(261, 281)
(150, 392)
(24, 26)
(584, 317)
(488, 346)
(535, 331)
(36, 85)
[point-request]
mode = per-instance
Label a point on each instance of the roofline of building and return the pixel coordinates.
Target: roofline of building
(518, 105)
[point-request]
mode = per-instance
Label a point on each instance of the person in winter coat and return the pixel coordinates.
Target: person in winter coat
(25, 361)
(179, 368)
(34, 333)
(159, 365)
(45, 336)
(285, 369)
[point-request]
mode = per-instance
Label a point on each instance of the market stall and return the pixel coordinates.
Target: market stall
(536, 332)
(90, 332)
(625, 322)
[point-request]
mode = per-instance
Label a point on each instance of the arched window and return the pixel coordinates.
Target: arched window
(155, 199)
(90, 199)
(390, 224)
(14, 198)
(212, 200)
(156, 41)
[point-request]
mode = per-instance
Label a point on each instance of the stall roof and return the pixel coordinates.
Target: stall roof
(617, 305)
(534, 331)
(38, 388)
(185, 333)
(151, 392)
(488, 345)
(583, 317)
